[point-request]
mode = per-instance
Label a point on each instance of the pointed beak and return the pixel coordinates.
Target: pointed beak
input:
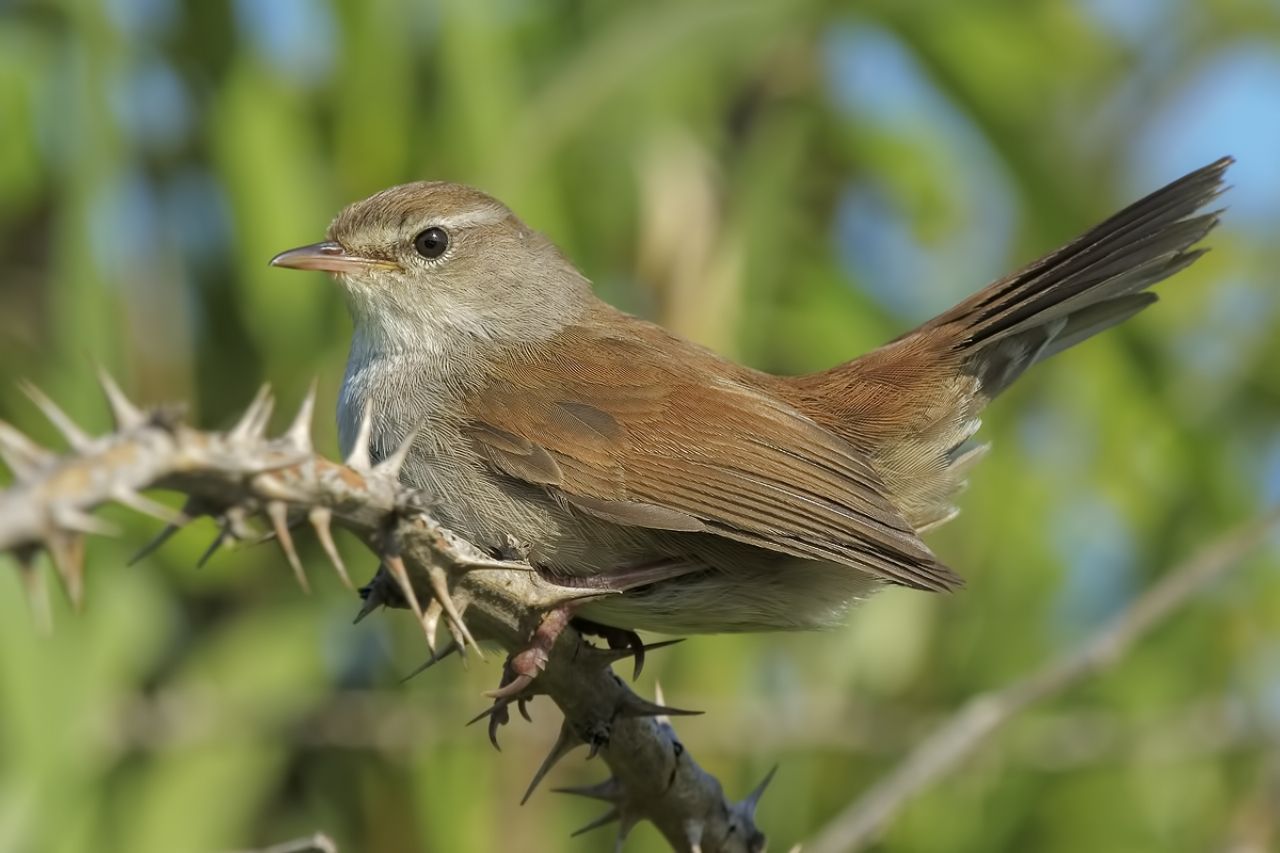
(329, 257)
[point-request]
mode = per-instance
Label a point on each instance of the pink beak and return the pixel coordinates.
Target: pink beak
(329, 257)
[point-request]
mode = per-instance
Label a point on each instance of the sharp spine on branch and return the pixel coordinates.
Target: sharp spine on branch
(391, 465)
(124, 413)
(752, 802)
(71, 518)
(278, 512)
(253, 423)
(431, 621)
(320, 516)
(21, 454)
(67, 551)
(396, 568)
(634, 706)
(358, 459)
(141, 503)
(566, 741)
(435, 658)
(75, 437)
(192, 509)
(299, 432)
(609, 791)
(440, 588)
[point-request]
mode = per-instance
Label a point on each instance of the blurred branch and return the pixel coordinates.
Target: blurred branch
(241, 474)
(969, 728)
(382, 721)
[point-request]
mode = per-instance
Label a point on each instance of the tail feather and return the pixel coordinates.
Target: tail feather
(1088, 285)
(916, 402)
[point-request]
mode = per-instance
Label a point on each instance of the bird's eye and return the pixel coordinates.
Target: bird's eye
(431, 243)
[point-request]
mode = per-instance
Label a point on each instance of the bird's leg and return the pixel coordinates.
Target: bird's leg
(523, 667)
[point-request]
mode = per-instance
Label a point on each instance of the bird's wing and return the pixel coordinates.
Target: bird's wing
(638, 430)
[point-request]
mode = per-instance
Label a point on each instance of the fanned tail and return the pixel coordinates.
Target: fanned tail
(1089, 285)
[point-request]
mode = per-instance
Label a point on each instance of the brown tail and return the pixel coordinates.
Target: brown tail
(1092, 283)
(914, 403)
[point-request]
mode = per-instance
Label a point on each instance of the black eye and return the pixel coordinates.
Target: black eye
(431, 243)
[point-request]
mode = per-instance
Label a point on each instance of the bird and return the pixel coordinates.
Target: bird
(713, 496)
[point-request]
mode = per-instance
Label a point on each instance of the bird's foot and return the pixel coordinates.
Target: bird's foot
(499, 713)
(617, 638)
(523, 667)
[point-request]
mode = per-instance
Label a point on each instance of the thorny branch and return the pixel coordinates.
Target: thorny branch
(239, 474)
(969, 728)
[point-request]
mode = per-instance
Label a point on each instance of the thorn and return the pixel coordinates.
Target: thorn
(373, 598)
(661, 700)
(492, 709)
(68, 558)
(753, 799)
(566, 742)
(610, 790)
(475, 564)
(72, 433)
(21, 454)
(644, 649)
(432, 661)
(395, 564)
(159, 539)
(278, 512)
(253, 423)
(78, 521)
(634, 706)
(604, 820)
(431, 621)
(299, 432)
(440, 588)
(358, 459)
(36, 590)
(145, 505)
(192, 509)
(319, 517)
(125, 415)
(390, 466)
(223, 535)
(573, 594)
(637, 650)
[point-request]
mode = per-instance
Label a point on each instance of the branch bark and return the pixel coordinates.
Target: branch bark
(980, 718)
(241, 473)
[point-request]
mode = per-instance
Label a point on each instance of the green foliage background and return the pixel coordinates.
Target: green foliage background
(790, 182)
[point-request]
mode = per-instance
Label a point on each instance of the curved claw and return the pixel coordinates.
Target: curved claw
(509, 690)
(498, 715)
(501, 716)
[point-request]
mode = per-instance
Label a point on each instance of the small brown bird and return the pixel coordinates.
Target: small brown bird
(620, 455)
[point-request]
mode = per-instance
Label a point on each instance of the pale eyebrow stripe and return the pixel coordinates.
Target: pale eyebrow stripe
(481, 216)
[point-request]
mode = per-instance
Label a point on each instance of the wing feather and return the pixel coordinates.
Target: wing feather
(646, 431)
